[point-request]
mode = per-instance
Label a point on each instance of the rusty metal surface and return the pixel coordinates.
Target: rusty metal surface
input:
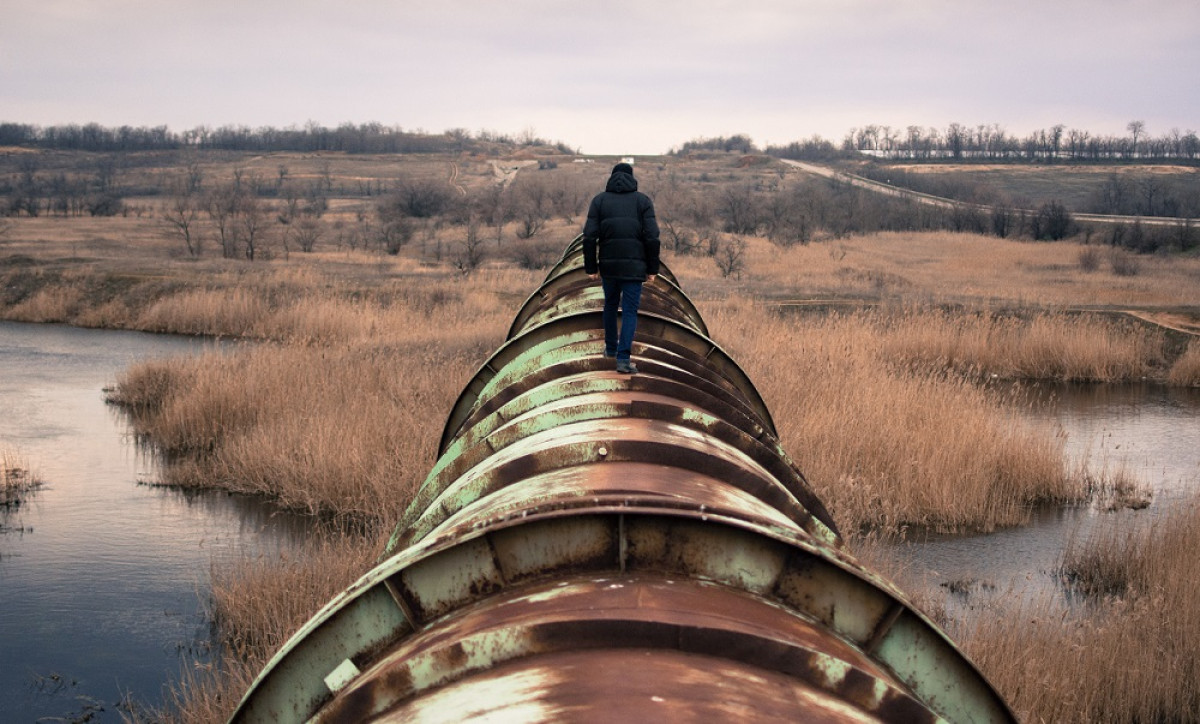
(596, 623)
(654, 685)
(615, 439)
(466, 567)
(592, 545)
(575, 291)
(578, 339)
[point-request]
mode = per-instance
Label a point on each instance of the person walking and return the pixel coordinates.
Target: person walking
(620, 247)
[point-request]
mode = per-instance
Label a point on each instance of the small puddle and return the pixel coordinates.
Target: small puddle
(1150, 432)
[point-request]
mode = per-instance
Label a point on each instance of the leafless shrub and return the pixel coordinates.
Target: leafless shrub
(1089, 259)
(471, 252)
(530, 254)
(1123, 264)
(309, 231)
(731, 257)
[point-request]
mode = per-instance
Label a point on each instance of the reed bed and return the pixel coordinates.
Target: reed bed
(1130, 652)
(1185, 372)
(888, 445)
(49, 304)
(1032, 346)
(345, 432)
(340, 418)
(881, 407)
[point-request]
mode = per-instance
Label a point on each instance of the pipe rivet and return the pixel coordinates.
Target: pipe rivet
(602, 451)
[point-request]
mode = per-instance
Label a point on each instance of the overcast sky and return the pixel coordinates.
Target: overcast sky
(605, 76)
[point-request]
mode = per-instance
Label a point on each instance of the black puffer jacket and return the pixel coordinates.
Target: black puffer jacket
(621, 222)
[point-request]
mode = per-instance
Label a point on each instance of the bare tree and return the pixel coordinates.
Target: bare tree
(1051, 222)
(182, 216)
(224, 206)
(394, 233)
(532, 206)
(471, 252)
(194, 174)
(786, 219)
(308, 232)
(731, 257)
(106, 173)
(286, 218)
(739, 209)
(1136, 128)
(1003, 218)
(252, 227)
(419, 199)
(680, 239)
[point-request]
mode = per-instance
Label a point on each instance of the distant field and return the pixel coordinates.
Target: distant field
(1028, 186)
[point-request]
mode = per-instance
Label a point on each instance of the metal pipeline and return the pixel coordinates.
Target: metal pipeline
(591, 545)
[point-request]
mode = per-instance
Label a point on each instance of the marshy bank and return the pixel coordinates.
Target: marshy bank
(889, 442)
(895, 411)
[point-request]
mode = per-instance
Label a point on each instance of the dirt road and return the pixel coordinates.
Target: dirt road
(942, 202)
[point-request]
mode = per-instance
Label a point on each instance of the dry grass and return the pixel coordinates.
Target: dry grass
(1131, 654)
(946, 267)
(1031, 346)
(879, 407)
(891, 445)
(348, 429)
(870, 401)
(1185, 371)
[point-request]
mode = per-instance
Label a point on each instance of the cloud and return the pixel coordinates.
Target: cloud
(608, 75)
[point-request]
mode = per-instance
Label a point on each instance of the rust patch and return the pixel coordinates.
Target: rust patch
(362, 701)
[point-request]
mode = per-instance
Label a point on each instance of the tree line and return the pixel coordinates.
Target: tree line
(983, 143)
(991, 143)
(312, 138)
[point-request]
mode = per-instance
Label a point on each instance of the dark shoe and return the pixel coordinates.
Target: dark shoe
(607, 353)
(627, 368)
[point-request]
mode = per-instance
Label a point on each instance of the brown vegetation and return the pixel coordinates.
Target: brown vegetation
(1185, 371)
(15, 479)
(884, 391)
(872, 427)
(1130, 652)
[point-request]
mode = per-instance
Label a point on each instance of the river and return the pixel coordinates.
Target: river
(102, 578)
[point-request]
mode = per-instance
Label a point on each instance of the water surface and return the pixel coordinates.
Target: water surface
(1148, 431)
(101, 578)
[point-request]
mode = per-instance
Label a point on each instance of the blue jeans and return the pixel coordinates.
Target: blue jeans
(628, 295)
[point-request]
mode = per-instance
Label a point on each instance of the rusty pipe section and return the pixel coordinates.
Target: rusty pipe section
(591, 546)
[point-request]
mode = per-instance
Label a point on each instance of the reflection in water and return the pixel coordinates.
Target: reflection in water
(1146, 430)
(99, 588)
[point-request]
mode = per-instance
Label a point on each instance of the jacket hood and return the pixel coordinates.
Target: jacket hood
(621, 183)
